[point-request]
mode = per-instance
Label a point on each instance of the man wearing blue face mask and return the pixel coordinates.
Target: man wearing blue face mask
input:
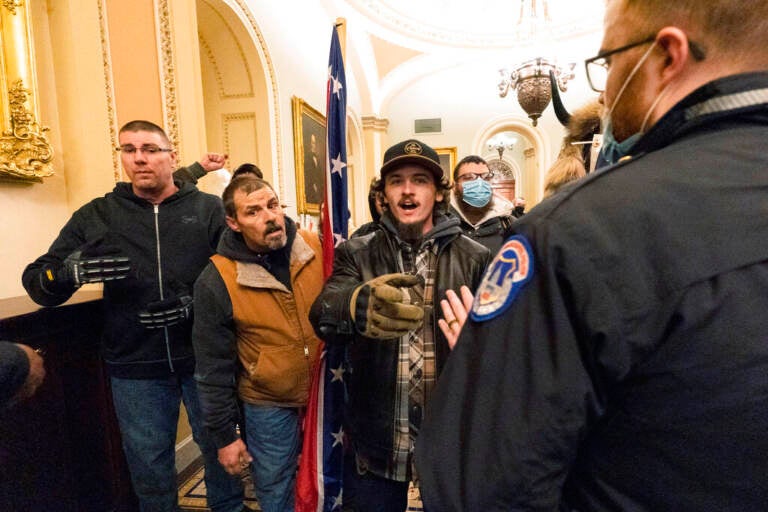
(485, 217)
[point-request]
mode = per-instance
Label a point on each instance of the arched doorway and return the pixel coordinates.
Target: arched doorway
(521, 166)
(502, 152)
(239, 90)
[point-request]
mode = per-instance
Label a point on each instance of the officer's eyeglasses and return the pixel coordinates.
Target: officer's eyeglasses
(598, 66)
(147, 149)
(472, 176)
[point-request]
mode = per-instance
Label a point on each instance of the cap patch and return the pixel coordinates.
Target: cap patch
(413, 148)
(504, 278)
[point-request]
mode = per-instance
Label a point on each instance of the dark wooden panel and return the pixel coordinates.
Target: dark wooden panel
(61, 450)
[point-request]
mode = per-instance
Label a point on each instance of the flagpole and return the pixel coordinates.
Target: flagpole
(341, 30)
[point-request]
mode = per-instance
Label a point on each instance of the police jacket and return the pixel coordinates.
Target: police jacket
(251, 334)
(373, 363)
(630, 371)
(168, 244)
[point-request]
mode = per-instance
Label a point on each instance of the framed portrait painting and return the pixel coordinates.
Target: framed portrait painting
(309, 128)
(447, 160)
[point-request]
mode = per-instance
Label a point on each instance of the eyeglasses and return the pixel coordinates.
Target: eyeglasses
(598, 66)
(147, 149)
(472, 176)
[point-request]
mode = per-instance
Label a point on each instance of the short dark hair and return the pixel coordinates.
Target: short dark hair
(139, 125)
(373, 199)
(248, 168)
(245, 182)
(469, 159)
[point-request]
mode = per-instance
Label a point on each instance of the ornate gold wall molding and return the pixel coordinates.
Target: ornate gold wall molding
(25, 153)
(11, 5)
(246, 81)
(227, 119)
(168, 73)
(108, 86)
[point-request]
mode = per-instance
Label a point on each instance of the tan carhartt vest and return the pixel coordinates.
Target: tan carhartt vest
(276, 344)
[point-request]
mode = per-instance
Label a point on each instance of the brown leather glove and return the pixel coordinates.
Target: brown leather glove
(378, 310)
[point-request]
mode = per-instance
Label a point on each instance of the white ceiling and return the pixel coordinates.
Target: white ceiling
(398, 42)
(477, 23)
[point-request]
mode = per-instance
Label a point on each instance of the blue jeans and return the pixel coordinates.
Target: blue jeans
(148, 414)
(272, 434)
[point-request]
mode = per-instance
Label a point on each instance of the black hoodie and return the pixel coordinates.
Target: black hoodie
(169, 244)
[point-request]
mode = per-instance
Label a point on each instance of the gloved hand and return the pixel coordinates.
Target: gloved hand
(378, 310)
(164, 313)
(91, 263)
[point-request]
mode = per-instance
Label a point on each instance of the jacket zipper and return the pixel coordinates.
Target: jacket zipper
(160, 282)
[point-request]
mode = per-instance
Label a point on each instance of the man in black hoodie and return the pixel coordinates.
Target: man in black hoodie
(147, 241)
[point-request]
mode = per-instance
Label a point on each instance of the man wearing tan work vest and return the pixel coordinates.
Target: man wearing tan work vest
(253, 339)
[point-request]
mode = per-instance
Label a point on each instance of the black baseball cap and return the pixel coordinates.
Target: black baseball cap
(415, 152)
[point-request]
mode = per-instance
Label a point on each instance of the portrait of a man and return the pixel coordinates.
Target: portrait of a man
(309, 146)
(314, 164)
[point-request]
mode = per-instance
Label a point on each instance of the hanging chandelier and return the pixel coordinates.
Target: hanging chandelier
(533, 19)
(531, 79)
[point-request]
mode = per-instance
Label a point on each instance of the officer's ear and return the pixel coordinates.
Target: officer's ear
(678, 54)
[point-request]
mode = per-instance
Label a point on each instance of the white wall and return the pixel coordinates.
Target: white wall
(298, 38)
(466, 98)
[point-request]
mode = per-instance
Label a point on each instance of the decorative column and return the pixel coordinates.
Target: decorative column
(532, 169)
(25, 153)
(374, 132)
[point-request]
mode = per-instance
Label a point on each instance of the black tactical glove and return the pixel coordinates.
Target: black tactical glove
(378, 310)
(91, 263)
(164, 313)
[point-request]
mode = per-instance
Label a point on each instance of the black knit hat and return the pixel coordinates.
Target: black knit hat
(412, 151)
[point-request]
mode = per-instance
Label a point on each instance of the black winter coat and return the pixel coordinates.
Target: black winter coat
(371, 383)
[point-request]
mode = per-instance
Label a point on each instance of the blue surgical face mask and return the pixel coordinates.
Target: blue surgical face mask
(612, 151)
(476, 193)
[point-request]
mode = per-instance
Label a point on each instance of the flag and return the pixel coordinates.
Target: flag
(335, 210)
(319, 480)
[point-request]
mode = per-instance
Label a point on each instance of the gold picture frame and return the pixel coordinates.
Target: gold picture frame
(309, 139)
(25, 152)
(447, 160)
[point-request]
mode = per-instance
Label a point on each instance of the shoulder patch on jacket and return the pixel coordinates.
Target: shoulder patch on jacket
(504, 278)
